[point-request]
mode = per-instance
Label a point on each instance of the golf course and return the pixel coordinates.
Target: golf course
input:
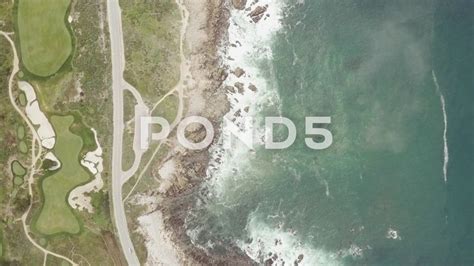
(45, 42)
(56, 215)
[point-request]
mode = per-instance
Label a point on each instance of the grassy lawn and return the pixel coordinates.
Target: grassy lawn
(45, 42)
(56, 215)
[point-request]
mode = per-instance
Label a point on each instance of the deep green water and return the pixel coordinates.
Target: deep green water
(454, 49)
(368, 65)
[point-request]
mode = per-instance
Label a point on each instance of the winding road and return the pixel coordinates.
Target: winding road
(120, 177)
(118, 84)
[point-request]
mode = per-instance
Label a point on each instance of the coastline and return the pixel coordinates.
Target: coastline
(206, 32)
(216, 86)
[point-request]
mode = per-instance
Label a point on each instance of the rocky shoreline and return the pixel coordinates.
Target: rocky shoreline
(206, 97)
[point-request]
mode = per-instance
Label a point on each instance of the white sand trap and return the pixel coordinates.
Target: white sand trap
(93, 161)
(161, 250)
(50, 156)
(44, 129)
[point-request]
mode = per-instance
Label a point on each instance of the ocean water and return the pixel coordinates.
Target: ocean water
(395, 187)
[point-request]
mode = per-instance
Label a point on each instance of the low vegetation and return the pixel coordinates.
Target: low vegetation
(151, 36)
(15, 248)
(1, 244)
(168, 108)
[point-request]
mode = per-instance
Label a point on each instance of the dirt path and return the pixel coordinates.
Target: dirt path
(184, 76)
(35, 156)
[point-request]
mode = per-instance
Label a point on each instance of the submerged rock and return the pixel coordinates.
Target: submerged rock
(258, 13)
(230, 89)
(238, 72)
(252, 87)
(240, 87)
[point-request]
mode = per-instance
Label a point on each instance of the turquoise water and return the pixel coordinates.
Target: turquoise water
(369, 65)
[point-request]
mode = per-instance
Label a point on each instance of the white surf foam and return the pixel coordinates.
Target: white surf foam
(249, 46)
(445, 131)
(283, 247)
(393, 234)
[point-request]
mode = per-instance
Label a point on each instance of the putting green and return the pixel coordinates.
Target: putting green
(22, 99)
(18, 169)
(18, 180)
(23, 147)
(56, 215)
(45, 42)
(20, 132)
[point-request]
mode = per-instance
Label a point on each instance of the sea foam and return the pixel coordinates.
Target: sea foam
(249, 47)
(445, 131)
(283, 247)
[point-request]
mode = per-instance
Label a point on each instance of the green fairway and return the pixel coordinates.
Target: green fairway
(56, 215)
(45, 42)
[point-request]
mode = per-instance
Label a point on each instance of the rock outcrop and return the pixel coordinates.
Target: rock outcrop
(239, 4)
(257, 13)
(240, 87)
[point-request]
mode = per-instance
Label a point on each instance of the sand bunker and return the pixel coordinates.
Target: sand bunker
(44, 129)
(93, 161)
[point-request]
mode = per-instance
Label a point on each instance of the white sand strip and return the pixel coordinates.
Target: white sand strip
(166, 173)
(161, 250)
